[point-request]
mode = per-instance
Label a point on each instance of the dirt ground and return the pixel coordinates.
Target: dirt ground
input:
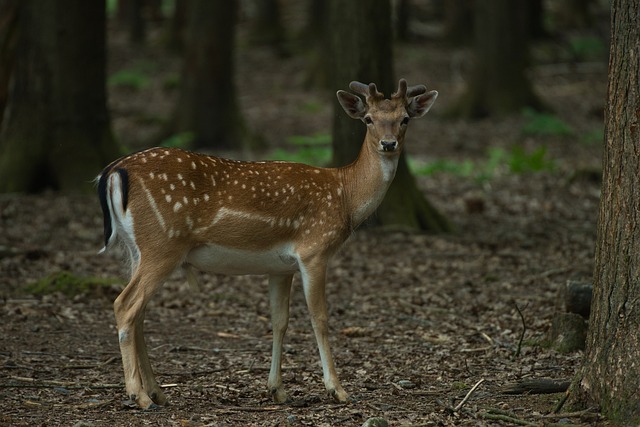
(416, 319)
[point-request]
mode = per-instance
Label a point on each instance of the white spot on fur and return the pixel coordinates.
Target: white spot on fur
(177, 206)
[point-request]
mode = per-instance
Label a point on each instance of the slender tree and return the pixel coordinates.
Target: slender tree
(8, 40)
(208, 105)
(361, 49)
(610, 378)
(458, 22)
(56, 133)
(267, 28)
(498, 84)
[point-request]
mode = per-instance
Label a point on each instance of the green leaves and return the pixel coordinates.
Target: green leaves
(517, 160)
(544, 124)
(313, 150)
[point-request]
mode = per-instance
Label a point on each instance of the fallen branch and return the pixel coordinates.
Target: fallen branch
(463, 401)
(25, 382)
(507, 419)
(536, 386)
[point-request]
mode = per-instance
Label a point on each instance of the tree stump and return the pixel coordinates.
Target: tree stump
(568, 332)
(577, 298)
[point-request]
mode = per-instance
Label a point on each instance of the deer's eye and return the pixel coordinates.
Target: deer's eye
(368, 120)
(405, 121)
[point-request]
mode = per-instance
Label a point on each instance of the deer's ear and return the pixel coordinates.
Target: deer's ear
(419, 105)
(351, 104)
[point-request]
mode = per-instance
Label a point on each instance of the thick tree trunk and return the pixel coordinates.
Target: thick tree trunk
(208, 106)
(57, 133)
(498, 84)
(361, 48)
(610, 377)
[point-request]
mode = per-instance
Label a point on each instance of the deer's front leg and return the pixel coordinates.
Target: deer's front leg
(279, 293)
(314, 283)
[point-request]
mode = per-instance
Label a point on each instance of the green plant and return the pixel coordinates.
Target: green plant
(132, 79)
(465, 168)
(544, 124)
(521, 161)
(69, 284)
(171, 82)
(178, 140)
(517, 160)
(313, 150)
(584, 48)
(593, 137)
(312, 106)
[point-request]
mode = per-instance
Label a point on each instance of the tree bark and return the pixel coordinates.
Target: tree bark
(208, 105)
(56, 133)
(610, 377)
(499, 84)
(361, 48)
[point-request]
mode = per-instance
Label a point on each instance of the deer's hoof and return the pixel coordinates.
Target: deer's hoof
(339, 395)
(279, 395)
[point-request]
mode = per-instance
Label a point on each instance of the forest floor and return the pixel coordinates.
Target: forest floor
(416, 319)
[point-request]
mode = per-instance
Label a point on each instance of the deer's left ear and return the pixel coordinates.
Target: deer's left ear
(351, 104)
(419, 105)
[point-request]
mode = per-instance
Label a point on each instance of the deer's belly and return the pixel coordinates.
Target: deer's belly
(218, 259)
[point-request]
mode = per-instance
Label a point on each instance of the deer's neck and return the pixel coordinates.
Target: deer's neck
(366, 181)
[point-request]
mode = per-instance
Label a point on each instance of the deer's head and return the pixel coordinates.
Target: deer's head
(386, 119)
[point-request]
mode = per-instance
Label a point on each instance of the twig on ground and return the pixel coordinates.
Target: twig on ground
(463, 401)
(507, 419)
(500, 415)
(524, 329)
(561, 402)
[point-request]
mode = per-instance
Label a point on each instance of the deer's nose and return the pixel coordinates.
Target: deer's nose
(388, 144)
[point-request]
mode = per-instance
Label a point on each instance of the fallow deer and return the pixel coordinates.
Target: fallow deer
(172, 208)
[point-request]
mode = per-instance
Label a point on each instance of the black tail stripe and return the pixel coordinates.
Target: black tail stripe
(102, 195)
(124, 178)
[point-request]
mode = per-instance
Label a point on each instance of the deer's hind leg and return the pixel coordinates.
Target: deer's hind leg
(129, 309)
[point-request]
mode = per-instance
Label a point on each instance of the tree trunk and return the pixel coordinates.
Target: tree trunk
(314, 42)
(57, 132)
(175, 38)
(8, 39)
(610, 377)
(208, 106)
(361, 48)
(403, 20)
(498, 84)
(267, 28)
(130, 14)
(458, 24)
(574, 14)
